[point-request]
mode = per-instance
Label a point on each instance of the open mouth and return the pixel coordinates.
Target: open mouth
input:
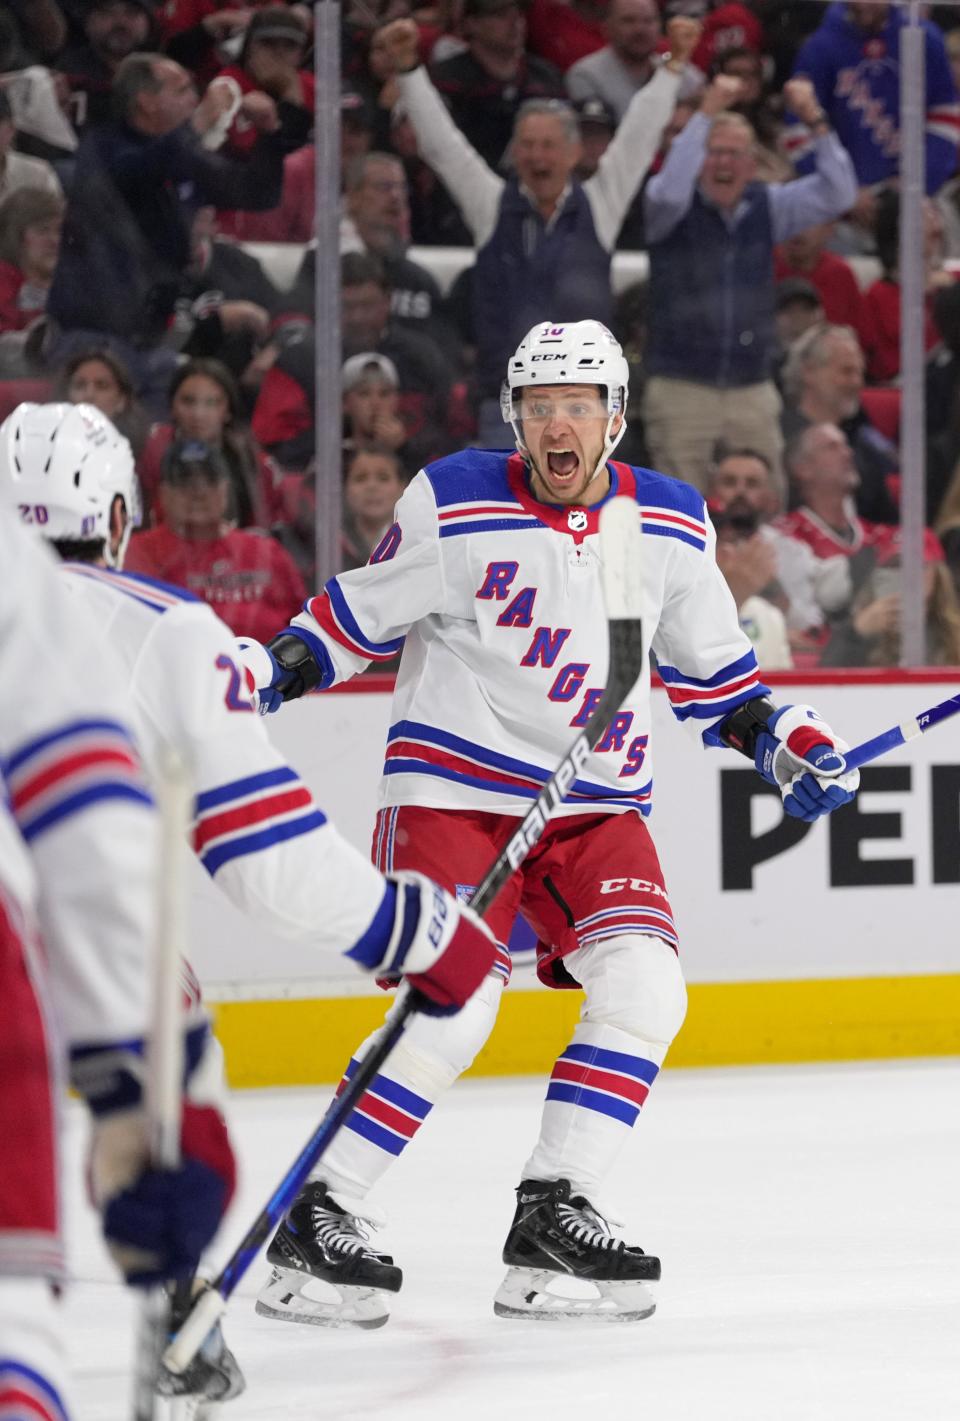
(563, 464)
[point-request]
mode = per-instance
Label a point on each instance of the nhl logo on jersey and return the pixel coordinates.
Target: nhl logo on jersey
(577, 520)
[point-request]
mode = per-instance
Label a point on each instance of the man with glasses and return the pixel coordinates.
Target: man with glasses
(544, 239)
(712, 229)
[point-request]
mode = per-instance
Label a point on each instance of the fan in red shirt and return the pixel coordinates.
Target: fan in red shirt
(249, 580)
(274, 48)
(805, 255)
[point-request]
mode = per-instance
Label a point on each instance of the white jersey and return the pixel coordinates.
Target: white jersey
(257, 830)
(499, 600)
(77, 829)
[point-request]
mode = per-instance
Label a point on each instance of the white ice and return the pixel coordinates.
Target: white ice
(808, 1219)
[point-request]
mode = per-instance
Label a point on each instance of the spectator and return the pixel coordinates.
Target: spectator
(712, 230)
(271, 62)
(870, 633)
(205, 407)
(805, 254)
(250, 581)
(761, 110)
(372, 484)
(628, 60)
(880, 327)
(598, 124)
(563, 31)
(805, 588)
(486, 86)
(823, 381)
(823, 475)
(228, 302)
(292, 220)
(369, 325)
(544, 239)
(98, 378)
(17, 170)
(749, 567)
(139, 181)
(371, 405)
(729, 28)
(853, 61)
(113, 29)
(797, 310)
(31, 220)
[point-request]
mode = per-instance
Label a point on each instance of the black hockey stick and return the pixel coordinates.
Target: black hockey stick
(623, 599)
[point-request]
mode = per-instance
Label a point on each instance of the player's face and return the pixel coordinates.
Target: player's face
(94, 383)
(563, 428)
(200, 409)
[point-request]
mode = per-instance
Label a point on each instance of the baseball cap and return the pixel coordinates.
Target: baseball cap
(186, 457)
(355, 110)
(370, 362)
(276, 22)
(596, 111)
(796, 288)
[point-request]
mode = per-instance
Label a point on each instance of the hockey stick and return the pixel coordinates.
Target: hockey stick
(623, 599)
(165, 1057)
(900, 734)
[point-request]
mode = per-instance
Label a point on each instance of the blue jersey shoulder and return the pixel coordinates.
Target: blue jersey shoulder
(471, 476)
(660, 491)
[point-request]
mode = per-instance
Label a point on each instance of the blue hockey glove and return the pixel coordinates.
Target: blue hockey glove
(800, 754)
(284, 669)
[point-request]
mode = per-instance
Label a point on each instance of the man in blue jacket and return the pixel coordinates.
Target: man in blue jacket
(711, 229)
(853, 61)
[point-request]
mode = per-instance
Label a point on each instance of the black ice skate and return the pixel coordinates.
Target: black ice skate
(564, 1262)
(324, 1272)
(214, 1375)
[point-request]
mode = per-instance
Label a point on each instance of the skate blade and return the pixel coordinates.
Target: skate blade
(296, 1297)
(543, 1296)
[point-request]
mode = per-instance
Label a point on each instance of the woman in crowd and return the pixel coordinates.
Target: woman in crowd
(31, 220)
(98, 377)
(205, 405)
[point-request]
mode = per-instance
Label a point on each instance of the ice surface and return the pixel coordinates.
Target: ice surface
(808, 1219)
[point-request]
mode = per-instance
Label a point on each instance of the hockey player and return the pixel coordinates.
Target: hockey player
(489, 579)
(77, 847)
(257, 831)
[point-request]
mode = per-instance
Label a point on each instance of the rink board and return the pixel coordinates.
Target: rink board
(835, 941)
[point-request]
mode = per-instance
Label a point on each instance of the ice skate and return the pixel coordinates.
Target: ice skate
(565, 1263)
(324, 1273)
(213, 1377)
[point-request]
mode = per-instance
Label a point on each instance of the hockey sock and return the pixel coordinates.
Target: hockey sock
(429, 1057)
(596, 1090)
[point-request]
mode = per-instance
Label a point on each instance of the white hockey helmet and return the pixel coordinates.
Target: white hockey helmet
(62, 466)
(582, 353)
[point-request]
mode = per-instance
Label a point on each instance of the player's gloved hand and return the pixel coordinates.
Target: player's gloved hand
(158, 1222)
(800, 754)
(435, 943)
(283, 669)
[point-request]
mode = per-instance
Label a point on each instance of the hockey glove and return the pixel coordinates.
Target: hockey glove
(284, 669)
(799, 753)
(156, 1222)
(421, 933)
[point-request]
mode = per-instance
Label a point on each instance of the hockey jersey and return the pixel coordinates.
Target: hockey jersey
(257, 830)
(496, 600)
(77, 828)
(857, 79)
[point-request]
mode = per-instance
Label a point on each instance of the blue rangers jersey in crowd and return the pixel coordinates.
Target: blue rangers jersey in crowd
(857, 79)
(496, 600)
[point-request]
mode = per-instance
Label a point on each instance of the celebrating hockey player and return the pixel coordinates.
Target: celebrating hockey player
(257, 831)
(77, 850)
(489, 580)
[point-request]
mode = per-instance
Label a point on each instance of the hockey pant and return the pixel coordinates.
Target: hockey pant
(635, 1004)
(32, 1366)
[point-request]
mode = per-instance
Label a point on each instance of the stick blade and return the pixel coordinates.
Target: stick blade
(620, 552)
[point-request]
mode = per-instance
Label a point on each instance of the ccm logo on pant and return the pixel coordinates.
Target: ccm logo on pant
(639, 885)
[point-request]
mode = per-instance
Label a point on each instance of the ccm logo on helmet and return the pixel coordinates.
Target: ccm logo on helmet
(548, 355)
(639, 885)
